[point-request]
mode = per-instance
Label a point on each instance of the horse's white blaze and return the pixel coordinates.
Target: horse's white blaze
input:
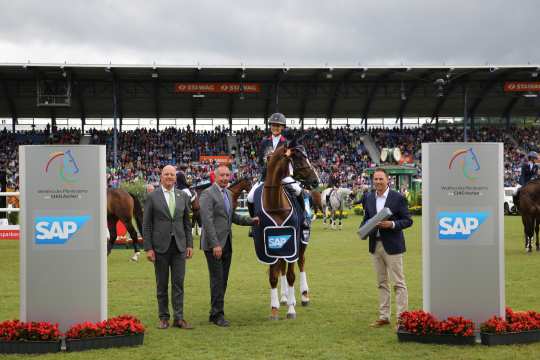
(303, 282)
(274, 301)
(291, 299)
(284, 285)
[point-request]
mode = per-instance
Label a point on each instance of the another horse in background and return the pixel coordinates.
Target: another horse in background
(125, 207)
(527, 201)
(334, 200)
(237, 187)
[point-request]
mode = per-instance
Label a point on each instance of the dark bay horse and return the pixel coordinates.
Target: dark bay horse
(237, 187)
(123, 206)
(276, 204)
(527, 201)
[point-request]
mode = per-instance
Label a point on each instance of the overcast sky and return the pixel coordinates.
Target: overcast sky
(271, 32)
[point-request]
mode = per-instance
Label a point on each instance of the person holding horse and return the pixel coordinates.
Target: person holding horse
(529, 169)
(217, 214)
(387, 244)
(333, 183)
(168, 243)
(182, 184)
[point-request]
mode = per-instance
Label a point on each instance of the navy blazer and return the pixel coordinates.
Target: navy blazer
(392, 239)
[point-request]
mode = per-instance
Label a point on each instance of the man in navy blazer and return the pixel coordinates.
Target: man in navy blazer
(387, 244)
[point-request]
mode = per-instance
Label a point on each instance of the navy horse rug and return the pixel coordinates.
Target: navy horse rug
(273, 241)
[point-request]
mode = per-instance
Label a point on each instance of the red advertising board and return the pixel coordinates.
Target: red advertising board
(515, 86)
(221, 88)
(223, 159)
(9, 234)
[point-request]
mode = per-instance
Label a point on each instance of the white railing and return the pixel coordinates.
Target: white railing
(10, 209)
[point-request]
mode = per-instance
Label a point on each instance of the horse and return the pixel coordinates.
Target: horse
(336, 203)
(123, 206)
(237, 187)
(277, 206)
(527, 201)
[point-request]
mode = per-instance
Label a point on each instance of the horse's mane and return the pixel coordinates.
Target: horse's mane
(245, 178)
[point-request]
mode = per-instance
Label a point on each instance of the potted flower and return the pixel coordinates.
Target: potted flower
(124, 330)
(518, 327)
(18, 337)
(424, 327)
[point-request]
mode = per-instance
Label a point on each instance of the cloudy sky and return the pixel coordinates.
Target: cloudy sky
(271, 32)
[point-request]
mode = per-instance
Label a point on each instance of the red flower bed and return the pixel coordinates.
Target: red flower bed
(515, 321)
(15, 330)
(420, 322)
(120, 325)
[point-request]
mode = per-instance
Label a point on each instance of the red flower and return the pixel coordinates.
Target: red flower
(14, 330)
(120, 325)
(423, 323)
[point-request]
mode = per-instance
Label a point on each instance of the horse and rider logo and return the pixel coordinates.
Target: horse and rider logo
(468, 161)
(68, 168)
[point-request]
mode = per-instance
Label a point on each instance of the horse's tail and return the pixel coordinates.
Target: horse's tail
(137, 212)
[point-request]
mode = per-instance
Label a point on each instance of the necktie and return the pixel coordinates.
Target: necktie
(226, 202)
(171, 202)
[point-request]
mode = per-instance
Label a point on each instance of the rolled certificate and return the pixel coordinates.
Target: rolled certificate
(371, 225)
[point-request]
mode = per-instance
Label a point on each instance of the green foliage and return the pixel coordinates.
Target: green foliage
(137, 188)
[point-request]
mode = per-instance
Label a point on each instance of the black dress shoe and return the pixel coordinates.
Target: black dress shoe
(163, 324)
(221, 322)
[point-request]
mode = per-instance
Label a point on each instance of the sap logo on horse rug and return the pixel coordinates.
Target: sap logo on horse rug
(459, 225)
(280, 241)
(57, 230)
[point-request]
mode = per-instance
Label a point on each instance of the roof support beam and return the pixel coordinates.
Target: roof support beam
(194, 104)
(305, 95)
(11, 104)
(337, 89)
(371, 95)
(156, 93)
(508, 110)
(486, 89)
(408, 95)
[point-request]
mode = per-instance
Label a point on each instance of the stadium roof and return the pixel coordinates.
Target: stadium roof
(155, 91)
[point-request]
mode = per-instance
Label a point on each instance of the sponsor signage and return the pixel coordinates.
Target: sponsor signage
(518, 86)
(63, 233)
(221, 88)
(462, 229)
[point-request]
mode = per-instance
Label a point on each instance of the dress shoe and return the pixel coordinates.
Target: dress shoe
(163, 324)
(221, 322)
(380, 323)
(182, 324)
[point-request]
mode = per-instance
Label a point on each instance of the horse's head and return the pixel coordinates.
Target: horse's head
(242, 184)
(302, 168)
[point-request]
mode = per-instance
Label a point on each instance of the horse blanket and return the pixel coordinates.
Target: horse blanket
(273, 241)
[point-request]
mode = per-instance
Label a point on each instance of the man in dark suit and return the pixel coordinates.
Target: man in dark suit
(529, 169)
(217, 216)
(168, 243)
(387, 244)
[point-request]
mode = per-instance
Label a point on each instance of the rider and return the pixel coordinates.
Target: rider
(182, 184)
(268, 145)
(529, 169)
(333, 183)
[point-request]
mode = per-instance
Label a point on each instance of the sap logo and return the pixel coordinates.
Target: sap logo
(277, 242)
(459, 225)
(57, 230)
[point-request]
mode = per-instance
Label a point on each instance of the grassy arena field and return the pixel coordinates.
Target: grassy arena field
(334, 326)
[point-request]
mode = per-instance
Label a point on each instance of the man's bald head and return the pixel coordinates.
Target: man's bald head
(168, 176)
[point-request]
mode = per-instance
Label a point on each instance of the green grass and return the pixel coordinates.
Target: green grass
(334, 326)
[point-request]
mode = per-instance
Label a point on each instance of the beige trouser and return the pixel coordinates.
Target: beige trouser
(390, 266)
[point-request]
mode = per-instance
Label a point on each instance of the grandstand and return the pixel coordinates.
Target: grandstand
(176, 115)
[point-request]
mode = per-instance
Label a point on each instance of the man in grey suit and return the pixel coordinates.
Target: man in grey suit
(217, 216)
(168, 243)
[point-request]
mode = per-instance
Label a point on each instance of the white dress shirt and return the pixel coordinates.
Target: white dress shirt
(380, 201)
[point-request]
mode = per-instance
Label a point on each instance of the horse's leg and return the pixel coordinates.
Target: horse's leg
(304, 289)
(134, 237)
(273, 275)
(529, 233)
(340, 217)
(291, 299)
(324, 215)
(111, 225)
(536, 230)
(283, 282)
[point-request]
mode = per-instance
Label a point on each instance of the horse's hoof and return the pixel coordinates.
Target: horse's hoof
(273, 317)
(291, 316)
(305, 303)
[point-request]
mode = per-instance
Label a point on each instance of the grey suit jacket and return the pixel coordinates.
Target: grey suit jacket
(216, 224)
(159, 226)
